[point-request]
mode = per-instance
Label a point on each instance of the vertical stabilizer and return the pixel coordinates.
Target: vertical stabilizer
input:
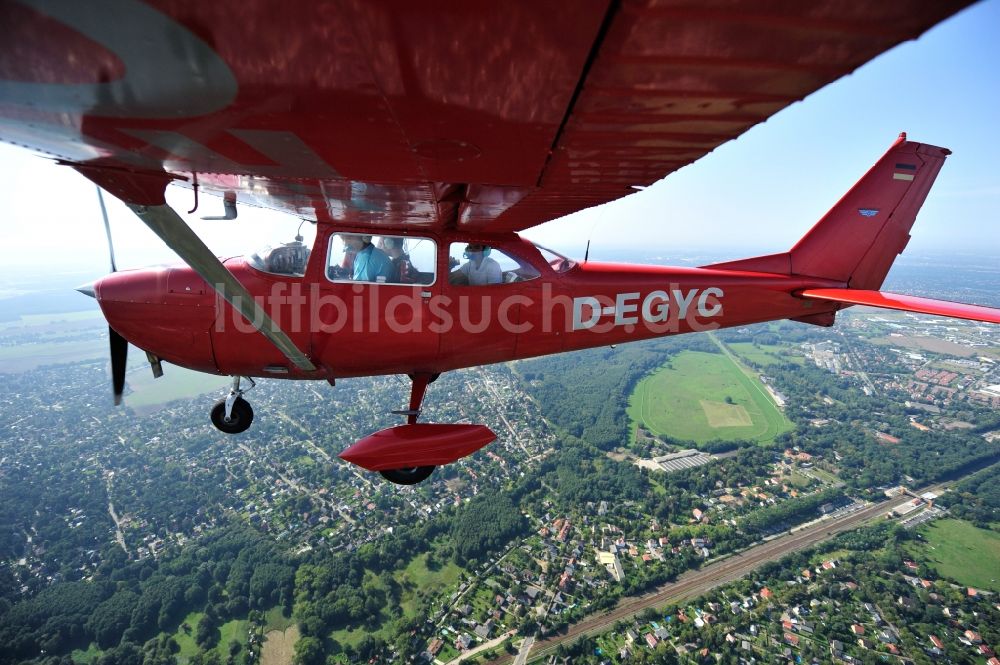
(859, 238)
(857, 241)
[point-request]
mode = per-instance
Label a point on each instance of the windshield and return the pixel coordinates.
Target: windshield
(556, 261)
(288, 258)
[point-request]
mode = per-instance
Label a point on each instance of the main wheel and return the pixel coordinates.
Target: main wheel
(238, 421)
(410, 476)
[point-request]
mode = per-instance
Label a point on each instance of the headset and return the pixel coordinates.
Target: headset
(468, 255)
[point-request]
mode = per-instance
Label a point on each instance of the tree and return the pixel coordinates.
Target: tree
(309, 651)
(111, 618)
(207, 634)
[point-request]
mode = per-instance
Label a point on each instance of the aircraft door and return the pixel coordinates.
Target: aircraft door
(372, 315)
(482, 303)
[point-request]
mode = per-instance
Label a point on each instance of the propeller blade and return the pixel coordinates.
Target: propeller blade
(119, 356)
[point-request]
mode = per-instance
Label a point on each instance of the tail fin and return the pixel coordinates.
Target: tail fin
(857, 241)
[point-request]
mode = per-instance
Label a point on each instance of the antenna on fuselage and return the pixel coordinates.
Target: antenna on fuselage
(590, 234)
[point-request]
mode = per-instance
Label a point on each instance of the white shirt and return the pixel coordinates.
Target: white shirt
(488, 272)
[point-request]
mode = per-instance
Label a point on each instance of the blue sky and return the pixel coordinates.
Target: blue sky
(756, 194)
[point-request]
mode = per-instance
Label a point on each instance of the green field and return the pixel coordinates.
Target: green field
(185, 640)
(686, 397)
(276, 620)
(176, 383)
(416, 579)
(960, 551)
(47, 339)
(50, 319)
(25, 357)
(231, 631)
(765, 355)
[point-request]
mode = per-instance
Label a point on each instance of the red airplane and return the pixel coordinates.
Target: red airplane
(419, 161)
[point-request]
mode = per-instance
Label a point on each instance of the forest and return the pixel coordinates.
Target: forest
(228, 573)
(977, 498)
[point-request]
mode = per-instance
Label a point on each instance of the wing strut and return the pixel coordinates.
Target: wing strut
(178, 236)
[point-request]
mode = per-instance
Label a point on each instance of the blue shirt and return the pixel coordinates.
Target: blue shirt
(370, 264)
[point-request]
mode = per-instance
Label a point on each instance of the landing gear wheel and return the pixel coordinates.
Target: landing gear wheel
(410, 476)
(238, 421)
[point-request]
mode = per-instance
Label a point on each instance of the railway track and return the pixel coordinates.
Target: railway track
(696, 582)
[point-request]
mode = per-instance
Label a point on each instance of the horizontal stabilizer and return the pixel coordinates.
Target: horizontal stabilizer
(955, 310)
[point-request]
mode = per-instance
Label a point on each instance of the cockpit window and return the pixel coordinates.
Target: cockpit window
(557, 261)
(357, 257)
(289, 258)
(476, 264)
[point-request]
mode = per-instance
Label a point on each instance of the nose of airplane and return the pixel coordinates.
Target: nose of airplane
(88, 289)
(146, 285)
(166, 311)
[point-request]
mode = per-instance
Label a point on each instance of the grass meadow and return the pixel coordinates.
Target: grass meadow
(961, 551)
(687, 399)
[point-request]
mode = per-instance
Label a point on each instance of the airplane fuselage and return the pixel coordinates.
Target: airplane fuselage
(360, 329)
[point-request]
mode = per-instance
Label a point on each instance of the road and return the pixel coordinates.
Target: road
(499, 411)
(522, 655)
(119, 535)
(696, 582)
(487, 571)
(471, 653)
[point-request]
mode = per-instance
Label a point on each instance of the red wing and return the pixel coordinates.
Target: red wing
(903, 303)
(494, 116)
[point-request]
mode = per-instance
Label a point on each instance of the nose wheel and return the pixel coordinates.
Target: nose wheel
(233, 414)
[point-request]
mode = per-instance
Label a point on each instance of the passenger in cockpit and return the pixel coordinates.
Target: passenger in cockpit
(403, 271)
(370, 263)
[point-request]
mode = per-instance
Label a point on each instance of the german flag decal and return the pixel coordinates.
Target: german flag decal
(912, 168)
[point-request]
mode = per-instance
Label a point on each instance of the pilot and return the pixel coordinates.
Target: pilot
(403, 271)
(370, 264)
(289, 259)
(479, 268)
